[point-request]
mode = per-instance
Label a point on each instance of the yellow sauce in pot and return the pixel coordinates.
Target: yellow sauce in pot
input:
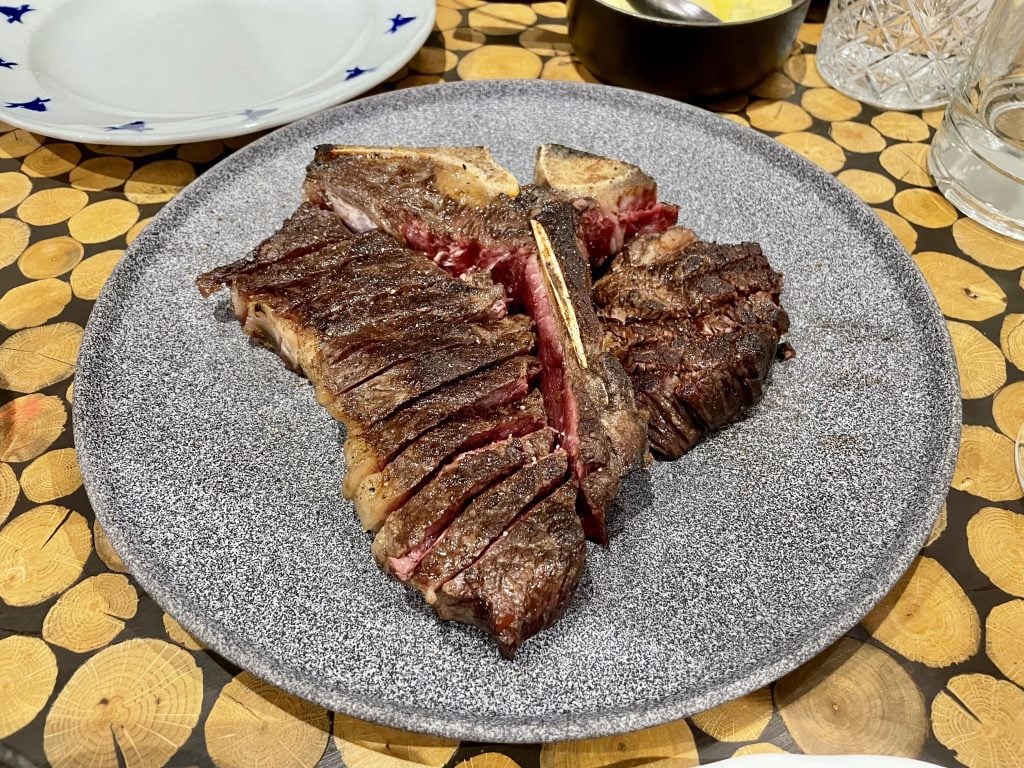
(726, 10)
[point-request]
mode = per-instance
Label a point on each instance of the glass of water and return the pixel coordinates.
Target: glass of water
(899, 54)
(977, 155)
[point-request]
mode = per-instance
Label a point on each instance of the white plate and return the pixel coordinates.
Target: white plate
(168, 71)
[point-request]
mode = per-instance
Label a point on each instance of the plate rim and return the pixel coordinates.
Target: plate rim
(526, 729)
(301, 108)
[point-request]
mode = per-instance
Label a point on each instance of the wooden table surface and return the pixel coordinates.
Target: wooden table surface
(94, 673)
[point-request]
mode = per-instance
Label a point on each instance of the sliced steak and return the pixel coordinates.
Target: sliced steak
(485, 519)
(697, 326)
(307, 230)
(376, 399)
(381, 492)
(587, 395)
(410, 530)
(523, 582)
(369, 449)
(616, 200)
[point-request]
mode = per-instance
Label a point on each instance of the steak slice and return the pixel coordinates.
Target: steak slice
(410, 530)
(587, 397)
(369, 449)
(381, 492)
(697, 326)
(616, 200)
(377, 398)
(587, 393)
(523, 581)
(306, 231)
(484, 520)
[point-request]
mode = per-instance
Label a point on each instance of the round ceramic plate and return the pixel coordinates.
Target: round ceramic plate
(125, 72)
(217, 476)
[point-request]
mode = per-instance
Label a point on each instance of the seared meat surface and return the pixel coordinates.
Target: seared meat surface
(431, 377)
(494, 396)
(586, 392)
(696, 325)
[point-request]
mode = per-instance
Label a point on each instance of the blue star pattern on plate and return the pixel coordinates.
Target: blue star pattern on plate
(356, 72)
(135, 125)
(251, 115)
(8, 64)
(398, 21)
(36, 105)
(14, 14)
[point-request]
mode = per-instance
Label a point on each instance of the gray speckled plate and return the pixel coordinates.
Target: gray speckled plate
(217, 476)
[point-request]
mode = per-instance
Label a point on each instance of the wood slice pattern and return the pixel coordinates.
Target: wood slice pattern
(759, 749)
(778, 116)
(254, 724)
(88, 278)
(981, 365)
(1008, 409)
(987, 247)
(101, 173)
(158, 182)
(91, 614)
(103, 221)
(51, 160)
(33, 303)
(28, 672)
(940, 526)
(1004, 639)
(826, 154)
(179, 635)
(488, 760)
(38, 357)
(14, 237)
(132, 704)
(900, 227)
(14, 187)
(853, 698)
(50, 258)
(29, 425)
(907, 162)
(1011, 339)
(981, 720)
(367, 745)
(742, 719)
(901, 126)
(995, 538)
(964, 291)
(105, 550)
(829, 104)
(52, 476)
(985, 465)
(925, 208)
(9, 490)
(42, 553)
(665, 746)
(927, 617)
(52, 206)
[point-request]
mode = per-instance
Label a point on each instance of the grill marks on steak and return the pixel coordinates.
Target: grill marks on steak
(697, 326)
(409, 531)
(522, 582)
(381, 492)
(431, 378)
(480, 523)
(588, 398)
